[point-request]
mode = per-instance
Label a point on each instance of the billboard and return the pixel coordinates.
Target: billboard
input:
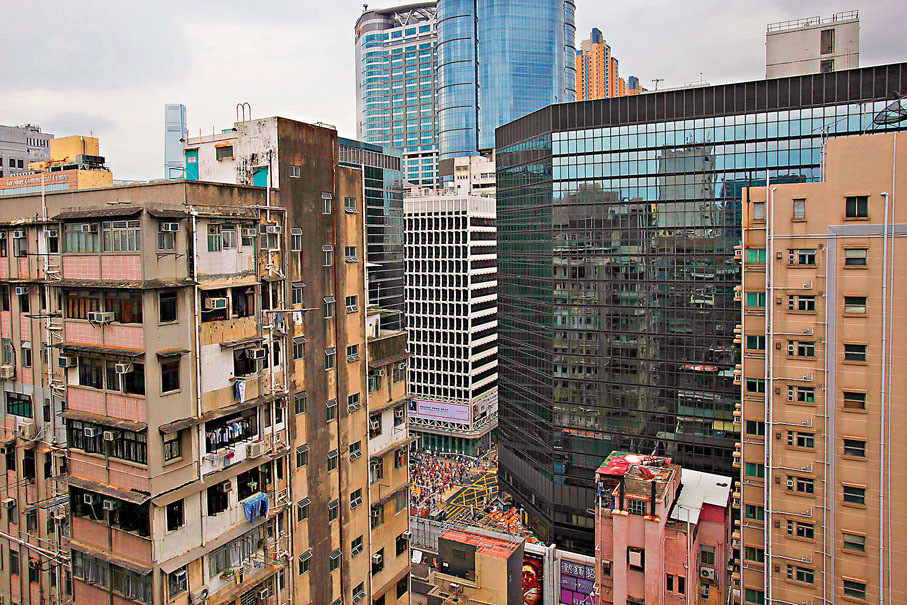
(577, 581)
(533, 579)
(436, 410)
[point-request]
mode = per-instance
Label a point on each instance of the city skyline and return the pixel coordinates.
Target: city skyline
(111, 98)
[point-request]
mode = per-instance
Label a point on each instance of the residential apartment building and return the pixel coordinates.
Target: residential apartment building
(451, 310)
(326, 213)
(383, 189)
(823, 394)
(813, 45)
(597, 73)
(20, 145)
(498, 61)
(663, 533)
(176, 130)
(470, 175)
(617, 222)
(72, 163)
(396, 83)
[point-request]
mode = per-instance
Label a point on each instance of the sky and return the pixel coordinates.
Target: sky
(108, 68)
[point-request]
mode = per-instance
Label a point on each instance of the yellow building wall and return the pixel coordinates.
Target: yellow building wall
(92, 179)
(67, 148)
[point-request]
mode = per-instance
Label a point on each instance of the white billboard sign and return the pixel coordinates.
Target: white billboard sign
(438, 411)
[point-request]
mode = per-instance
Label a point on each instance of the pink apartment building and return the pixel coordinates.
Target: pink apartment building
(663, 533)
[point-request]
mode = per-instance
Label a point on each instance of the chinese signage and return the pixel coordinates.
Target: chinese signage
(577, 581)
(436, 410)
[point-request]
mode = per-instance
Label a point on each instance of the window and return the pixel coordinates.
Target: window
(804, 485)
(299, 347)
(304, 559)
(854, 589)
(349, 253)
(172, 447)
(752, 553)
(853, 352)
(223, 152)
(755, 299)
(177, 582)
(356, 498)
(215, 243)
(855, 257)
(81, 237)
(826, 66)
(167, 310)
(800, 574)
(801, 530)
(352, 402)
(355, 450)
(302, 456)
(352, 353)
(753, 595)
(296, 240)
(329, 303)
(854, 401)
(170, 376)
(24, 306)
(402, 586)
(302, 509)
(20, 247)
(856, 206)
(166, 239)
(295, 171)
(827, 41)
(805, 257)
(175, 515)
(755, 385)
(352, 304)
(378, 562)
(121, 236)
(299, 402)
(330, 358)
(328, 255)
(755, 512)
(228, 235)
(333, 510)
(236, 553)
(755, 342)
(755, 256)
(759, 212)
(799, 210)
(218, 498)
(327, 203)
(754, 469)
(356, 546)
(332, 460)
(854, 447)
(402, 544)
(297, 293)
(399, 371)
(801, 348)
(18, 404)
(636, 558)
(755, 427)
(854, 542)
(855, 305)
(349, 205)
(801, 439)
(377, 516)
(26, 355)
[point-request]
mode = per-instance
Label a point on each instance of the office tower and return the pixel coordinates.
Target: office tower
(396, 86)
(498, 61)
(383, 183)
(20, 145)
(813, 45)
(325, 277)
(71, 163)
(617, 221)
(451, 318)
(176, 130)
(663, 532)
(823, 394)
(597, 75)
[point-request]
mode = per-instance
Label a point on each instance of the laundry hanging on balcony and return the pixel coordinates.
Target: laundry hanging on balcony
(256, 506)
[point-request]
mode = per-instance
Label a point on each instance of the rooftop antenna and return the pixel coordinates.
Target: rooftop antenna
(657, 80)
(241, 107)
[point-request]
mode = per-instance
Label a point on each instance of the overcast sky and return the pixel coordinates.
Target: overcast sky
(109, 67)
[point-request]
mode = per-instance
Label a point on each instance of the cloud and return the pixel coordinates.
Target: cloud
(74, 122)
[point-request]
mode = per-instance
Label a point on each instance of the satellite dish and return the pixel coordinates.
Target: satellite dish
(894, 113)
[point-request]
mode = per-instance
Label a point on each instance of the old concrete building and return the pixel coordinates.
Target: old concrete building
(20, 145)
(823, 394)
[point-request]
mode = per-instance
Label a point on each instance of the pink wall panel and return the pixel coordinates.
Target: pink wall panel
(125, 266)
(81, 267)
(82, 332)
(85, 400)
(128, 477)
(6, 324)
(128, 337)
(128, 408)
(25, 326)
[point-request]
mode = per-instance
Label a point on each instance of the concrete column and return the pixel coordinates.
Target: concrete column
(654, 560)
(619, 565)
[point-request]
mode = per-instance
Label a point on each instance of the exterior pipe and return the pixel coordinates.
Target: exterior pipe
(885, 321)
(894, 159)
(769, 357)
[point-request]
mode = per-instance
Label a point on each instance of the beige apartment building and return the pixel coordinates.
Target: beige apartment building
(824, 406)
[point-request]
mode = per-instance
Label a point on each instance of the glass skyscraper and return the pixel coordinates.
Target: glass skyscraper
(617, 224)
(395, 81)
(499, 60)
(175, 132)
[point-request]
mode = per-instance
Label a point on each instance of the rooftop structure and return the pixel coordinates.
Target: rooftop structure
(813, 45)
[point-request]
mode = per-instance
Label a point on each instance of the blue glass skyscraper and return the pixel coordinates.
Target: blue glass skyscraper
(499, 60)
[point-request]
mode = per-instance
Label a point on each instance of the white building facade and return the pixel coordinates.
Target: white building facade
(451, 299)
(813, 45)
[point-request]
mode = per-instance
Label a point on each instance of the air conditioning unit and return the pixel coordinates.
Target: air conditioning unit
(248, 231)
(215, 303)
(351, 259)
(352, 308)
(51, 233)
(21, 290)
(704, 591)
(85, 228)
(255, 449)
(405, 535)
(200, 597)
(381, 372)
(109, 435)
(67, 362)
(707, 573)
(7, 372)
(738, 252)
(122, 368)
(264, 593)
(9, 503)
(257, 354)
(100, 317)
(398, 413)
(91, 432)
(375, 512)
(374, 424)
(27, 430)
(226, 486)
(109, 504)
(170, 227)
(354, 406)
(18, 234)
(790, 484)
(88, 499)
(352, 358)
(272, 229)
(377, 558)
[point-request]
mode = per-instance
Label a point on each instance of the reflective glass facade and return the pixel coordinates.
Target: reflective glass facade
(497, 61)
(617, 222)
(395, 82)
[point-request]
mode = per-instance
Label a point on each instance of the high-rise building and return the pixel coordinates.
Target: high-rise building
(823, 392)
(813, 45)
(617, 221)
(451, 318)
(396, 86)
(331, 377)
(597, 74)
(663, 533)
(498, 61)
(176, 130)
(20, 145)
(383, 184)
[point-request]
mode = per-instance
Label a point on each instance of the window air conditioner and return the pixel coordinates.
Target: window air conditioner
(215, 303)
(171, 227)
(109, 504)
(109, 435)
(122, 368)
(21, 290)
(91, 432)
(67, 362)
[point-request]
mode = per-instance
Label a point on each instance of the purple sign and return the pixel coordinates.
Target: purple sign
(577, 582)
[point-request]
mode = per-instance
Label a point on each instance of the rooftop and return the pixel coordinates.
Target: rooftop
(812, 21)
(698, 490)
(500, 548)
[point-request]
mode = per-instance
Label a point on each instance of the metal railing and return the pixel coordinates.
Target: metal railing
(809, 21)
